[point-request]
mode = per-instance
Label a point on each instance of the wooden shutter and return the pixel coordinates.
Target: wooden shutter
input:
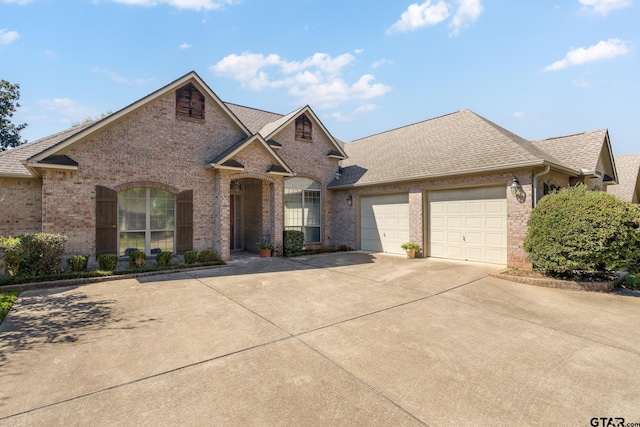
(303, 127)
(189, 102)
(184, 221)
(106, 221)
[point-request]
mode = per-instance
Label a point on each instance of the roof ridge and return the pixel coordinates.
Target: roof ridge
(570, 135)
(252, 108)
(406, 126)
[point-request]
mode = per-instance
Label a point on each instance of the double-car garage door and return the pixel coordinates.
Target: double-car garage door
(464, 224)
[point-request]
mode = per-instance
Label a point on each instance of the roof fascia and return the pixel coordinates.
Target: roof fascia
(607, 144)
(307, 109)
(191, 77)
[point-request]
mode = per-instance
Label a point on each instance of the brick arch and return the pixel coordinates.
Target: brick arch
(146, 184)
(259, 176)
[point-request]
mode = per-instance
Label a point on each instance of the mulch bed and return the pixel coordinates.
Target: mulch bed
(536, 278)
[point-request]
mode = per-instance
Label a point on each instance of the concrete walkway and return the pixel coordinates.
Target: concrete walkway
(336, 339)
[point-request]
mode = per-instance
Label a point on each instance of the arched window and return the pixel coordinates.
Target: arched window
(302, 208)
(146, 221)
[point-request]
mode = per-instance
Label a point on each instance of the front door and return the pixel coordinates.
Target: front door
(235, 216)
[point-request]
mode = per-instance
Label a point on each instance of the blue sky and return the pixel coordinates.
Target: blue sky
(538, 68)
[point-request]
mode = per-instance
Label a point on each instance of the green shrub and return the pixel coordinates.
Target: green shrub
(13, 250)
(190, 257)
(163, 259)
(293, 241)
(208, 255)
(137, 259)
(77, 263)
(6, 301)
(41, 253)
(631, 281)
(576, 231)
(108, 262)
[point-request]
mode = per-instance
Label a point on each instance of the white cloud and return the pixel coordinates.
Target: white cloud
(7, 37)
(466, 13)
(315, 80)
(197, 5)
(417, 16)
(581, 82)
(116, 77)
(185, 46)
(358, 51)
(20, 2)
(350, 116)
(381, 62)
(603, 50)
(518, 114)
(67, 110)
(604, 6)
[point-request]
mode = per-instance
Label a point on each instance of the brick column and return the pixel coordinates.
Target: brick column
(276, 191)
(221, 210)
(416, 218)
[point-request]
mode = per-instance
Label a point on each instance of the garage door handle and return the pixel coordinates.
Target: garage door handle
(464, 239)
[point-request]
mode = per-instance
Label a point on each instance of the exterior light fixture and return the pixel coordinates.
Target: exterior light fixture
(516, 188)
(349, 199)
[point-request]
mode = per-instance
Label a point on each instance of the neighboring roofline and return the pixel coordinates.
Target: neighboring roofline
(228, 156)
(614, 178)
(297, 113)
(540, 163)
(111, 118)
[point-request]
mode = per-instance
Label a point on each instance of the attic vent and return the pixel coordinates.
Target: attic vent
(189, 102)
(303, 127)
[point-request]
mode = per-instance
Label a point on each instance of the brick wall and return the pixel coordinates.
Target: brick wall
(20, 206)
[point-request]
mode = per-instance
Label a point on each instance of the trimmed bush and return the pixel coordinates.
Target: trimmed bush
(41, 253)
(137, 259)
(108, 262)
(577, 231)
(208, 255)
(12, 249)
(163, 259)
(77, 263)
(190, 257)
(293, 241)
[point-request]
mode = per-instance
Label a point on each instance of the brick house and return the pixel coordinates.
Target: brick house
(180, 169)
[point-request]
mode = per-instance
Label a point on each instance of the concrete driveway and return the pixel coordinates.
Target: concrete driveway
(336, 339)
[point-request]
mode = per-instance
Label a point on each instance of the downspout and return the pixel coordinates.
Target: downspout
(535, 184)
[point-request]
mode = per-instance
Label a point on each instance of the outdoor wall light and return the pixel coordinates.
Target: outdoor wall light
(516, 188)
(349, 199)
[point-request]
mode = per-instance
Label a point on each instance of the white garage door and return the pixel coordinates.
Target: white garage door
(384, 223)
(468, 224)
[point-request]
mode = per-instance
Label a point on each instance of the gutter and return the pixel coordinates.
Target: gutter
(534, 199)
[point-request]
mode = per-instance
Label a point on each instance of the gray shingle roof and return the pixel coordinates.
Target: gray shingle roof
(11, 160)
(628, 168)
(580, 151)
(252, 118)
(457, 143)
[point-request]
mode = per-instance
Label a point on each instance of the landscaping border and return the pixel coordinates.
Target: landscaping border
(571, 285)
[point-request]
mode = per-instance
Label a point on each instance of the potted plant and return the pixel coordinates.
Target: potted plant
(411, 248)
(265, 249)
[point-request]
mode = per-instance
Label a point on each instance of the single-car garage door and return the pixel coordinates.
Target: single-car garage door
(468, 224)
(384, 222)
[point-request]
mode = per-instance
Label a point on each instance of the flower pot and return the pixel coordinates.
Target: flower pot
(411, 253)
(265, 253)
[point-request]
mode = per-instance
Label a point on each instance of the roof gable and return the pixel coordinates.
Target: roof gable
(225, 160)
(189, 78)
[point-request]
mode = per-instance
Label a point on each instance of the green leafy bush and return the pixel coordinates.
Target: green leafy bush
(576, 231)
(190, 257)
(41, 253)
(108, 262)
(77, 263)
(6, 301)
(12, 249)
(208, 255)
(631, 281)
(163, 259)
(293, 241)
(137, 259)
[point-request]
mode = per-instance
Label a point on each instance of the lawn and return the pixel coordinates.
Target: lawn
(6, 301)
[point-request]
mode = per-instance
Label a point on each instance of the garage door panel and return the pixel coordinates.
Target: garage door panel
(473, 223)
(389, 216)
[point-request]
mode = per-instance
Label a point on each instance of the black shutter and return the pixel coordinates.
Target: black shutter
(184, 221)
(106, 221)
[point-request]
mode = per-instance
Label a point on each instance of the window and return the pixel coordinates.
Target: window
(189, 102)
(146, 221)
(302, 208)
(303, 127)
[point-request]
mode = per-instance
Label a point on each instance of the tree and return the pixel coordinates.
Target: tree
(9, 133)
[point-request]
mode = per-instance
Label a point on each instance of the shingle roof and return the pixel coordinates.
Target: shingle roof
(252, 118)
(628, 168)
(11, 160)
(579, 151)
(457, 143)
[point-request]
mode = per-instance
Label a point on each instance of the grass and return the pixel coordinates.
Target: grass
(6, 301)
